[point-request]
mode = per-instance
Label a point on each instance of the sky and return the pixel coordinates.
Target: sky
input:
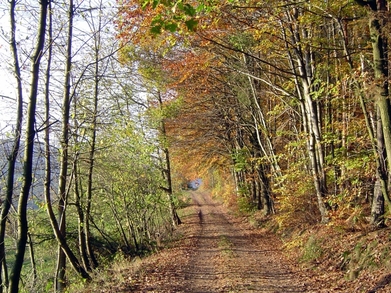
(26, 17)
(7, 82)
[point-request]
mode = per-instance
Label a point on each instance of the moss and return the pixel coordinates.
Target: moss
(312, 249)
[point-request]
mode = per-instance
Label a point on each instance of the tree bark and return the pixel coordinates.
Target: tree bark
(28, 152)
(7, 202)
(377, 22)
(380, 189)
(267, 201)
(381, 93)
(60, 280)
(80, 213)
(91, 160)
(167, 172)
(48, 155)
(302, 63)
(32, 258)
(377, 208)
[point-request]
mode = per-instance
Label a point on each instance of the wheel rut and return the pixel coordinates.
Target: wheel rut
(216, 252)
(228, 258)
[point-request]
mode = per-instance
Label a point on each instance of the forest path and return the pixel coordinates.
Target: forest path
(217, 253)
(228, 258)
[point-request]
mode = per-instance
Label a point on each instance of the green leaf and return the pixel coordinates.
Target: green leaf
(155, 3)
(191, 24)
(172, 27)
(200, 7)
(157, 20)
(157, 29)
(145, 4)
(179, 5)
(189, 10)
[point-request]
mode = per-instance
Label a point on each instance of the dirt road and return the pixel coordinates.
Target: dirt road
(228, 258)
(217, 253)
(214, 251)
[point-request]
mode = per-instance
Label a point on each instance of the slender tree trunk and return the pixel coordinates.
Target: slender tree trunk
(32, 258)
(302, 65)
(7, 202)
(174, 215)
(57, 233)
(120, 226)
(268, 205)
(47, 194)
(316, 154)
(377, 23)
(167, 173)
(381, 192)
(48, 154)
(377, 208)
(132, 230)
(314, 144)
(28, 152)
(91, 159)
(62, 241)
(261, 127)
(380, 60)
(82, 237)
(60, 279)
(258, 193)
(63, 244)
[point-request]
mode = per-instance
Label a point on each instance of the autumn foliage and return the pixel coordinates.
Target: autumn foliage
(275, 96)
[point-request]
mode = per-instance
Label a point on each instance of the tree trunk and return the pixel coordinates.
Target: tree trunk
(381, 93)
(377, 23)
(267, 201)
(261, 127)
(381, 184)
(60, 279)
(377, 208)
(174, 215)
(91, 160)
(7, 202)
(62, 241)
(80, 227)
(59, 236)
(302, 65)
(28, 152)
(167, 172)
(315, 155)
(32, 258)
(47, 184)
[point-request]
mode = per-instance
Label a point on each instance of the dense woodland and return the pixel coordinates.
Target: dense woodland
(281, 107)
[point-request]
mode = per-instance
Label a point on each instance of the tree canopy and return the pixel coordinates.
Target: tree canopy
(280, 107)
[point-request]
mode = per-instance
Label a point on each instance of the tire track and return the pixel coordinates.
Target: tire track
(228, 258)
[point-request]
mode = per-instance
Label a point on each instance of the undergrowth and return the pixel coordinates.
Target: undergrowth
(348, 246)
(352, 255)
(312, 249)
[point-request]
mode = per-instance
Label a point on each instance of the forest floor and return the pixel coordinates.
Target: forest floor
(218, 252)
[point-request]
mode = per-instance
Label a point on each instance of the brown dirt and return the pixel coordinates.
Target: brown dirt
(218, 252)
